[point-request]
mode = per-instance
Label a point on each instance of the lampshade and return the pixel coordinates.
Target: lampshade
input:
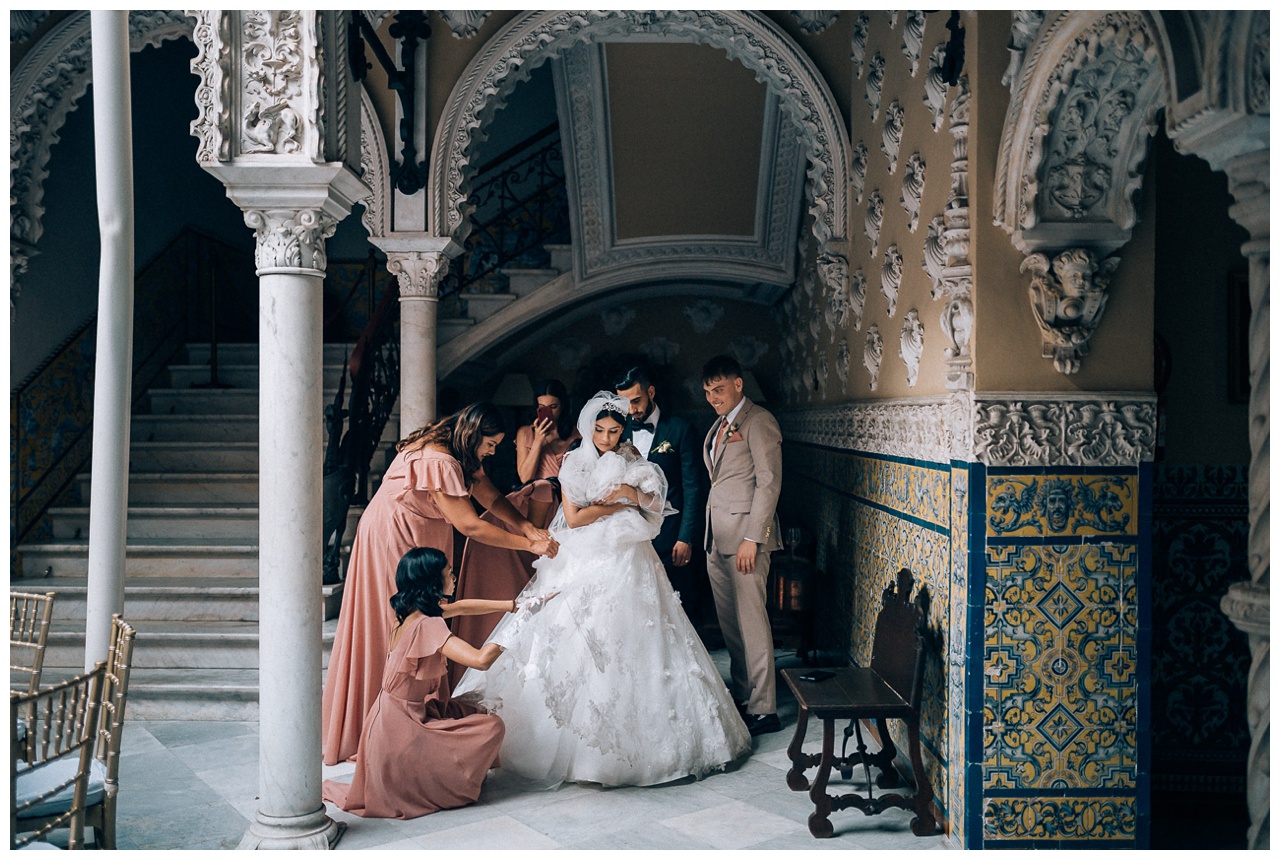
(751, 388)
(515, 389)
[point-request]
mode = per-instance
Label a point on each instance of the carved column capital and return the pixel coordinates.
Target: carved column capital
(290, 240)
(1068, 295)
(418, 272)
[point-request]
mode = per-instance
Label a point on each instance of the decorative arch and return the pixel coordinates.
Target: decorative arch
(532, 38)
(375, 169)
(43, 90)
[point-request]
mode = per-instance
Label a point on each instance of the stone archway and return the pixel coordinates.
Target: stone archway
(1209, 72)
(534, 37)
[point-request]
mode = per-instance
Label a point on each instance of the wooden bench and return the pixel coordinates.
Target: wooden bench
(890, 688)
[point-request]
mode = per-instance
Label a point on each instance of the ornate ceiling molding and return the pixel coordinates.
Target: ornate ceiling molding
(43, 89)
(464, 23)
(1084, 106)
(534, 37)
(766, 257)
(375, 169)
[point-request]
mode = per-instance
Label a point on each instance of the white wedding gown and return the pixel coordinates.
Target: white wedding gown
(608, 682)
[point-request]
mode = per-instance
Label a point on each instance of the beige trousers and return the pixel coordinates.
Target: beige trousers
(744, 623)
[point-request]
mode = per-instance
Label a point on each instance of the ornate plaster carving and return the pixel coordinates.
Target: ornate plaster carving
(1068, 296)
(1258, 74)
(22, 23)
(43, 88)
(533, 37)
(915, 428)
(1022, 31)
(703, 314)
(858, 170)
(290, 239)
(833, 268)
(956, 284)
(748, 350)
(272, 95)
(813, 22)
(912, 189)
(857, 297)
(893, 18)
(836, 312)
(891, 139)
(891, 276)
(571, 352)
(1084, 105)
(858, 48)
(464, 23)
(1097, 429)
(911, 345)
(875, 84)
(660, 350)
(935, 254)
(212, 65)
(842, 364)
(935, 86)
(418, 273)
(616, 319)
(375, 169)
(872, 354)
(820, 374)
(874, 220)
(913, 39)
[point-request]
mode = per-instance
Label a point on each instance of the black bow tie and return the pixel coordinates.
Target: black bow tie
(636, 424)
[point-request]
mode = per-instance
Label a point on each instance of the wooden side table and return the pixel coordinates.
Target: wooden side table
(855, 693)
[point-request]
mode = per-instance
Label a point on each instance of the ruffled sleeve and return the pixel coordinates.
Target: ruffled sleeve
(421, 657)
(431, 470)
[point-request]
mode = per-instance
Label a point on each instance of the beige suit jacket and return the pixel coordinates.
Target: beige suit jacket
(746, 478)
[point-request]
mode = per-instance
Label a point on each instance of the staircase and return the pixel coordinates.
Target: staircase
(191, 565)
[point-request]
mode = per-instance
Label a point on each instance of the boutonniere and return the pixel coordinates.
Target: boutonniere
(664, 448)
(729, 431)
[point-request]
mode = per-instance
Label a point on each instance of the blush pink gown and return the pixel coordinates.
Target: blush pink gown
(420, 751)
(400, 516)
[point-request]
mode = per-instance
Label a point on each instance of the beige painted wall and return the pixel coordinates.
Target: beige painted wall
(685, 124)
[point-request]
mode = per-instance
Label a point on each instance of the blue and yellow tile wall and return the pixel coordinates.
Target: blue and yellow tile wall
(1063, 675)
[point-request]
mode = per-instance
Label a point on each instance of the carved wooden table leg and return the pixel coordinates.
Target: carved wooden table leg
(819, 819)
(796, 780)
(924, 824)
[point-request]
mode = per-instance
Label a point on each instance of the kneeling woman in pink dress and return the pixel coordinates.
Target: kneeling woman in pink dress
(421, 751)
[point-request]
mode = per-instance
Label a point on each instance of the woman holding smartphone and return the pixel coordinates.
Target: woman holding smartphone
(491, 572)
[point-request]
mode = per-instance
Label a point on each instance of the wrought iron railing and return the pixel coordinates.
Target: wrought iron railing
(520, 206)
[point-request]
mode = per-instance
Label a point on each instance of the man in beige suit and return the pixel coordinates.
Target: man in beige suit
(743, 453)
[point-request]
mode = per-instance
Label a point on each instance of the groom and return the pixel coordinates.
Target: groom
(667, 441)
(743, 453)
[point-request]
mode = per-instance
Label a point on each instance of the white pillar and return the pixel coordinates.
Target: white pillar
(113, 365)
(419, 274)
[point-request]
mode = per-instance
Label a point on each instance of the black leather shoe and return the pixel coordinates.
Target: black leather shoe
(742, 709)
(762, 724)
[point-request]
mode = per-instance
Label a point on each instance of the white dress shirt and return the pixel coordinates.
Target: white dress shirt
(643, 439)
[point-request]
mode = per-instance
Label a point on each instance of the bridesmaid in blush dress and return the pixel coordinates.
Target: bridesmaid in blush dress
(425, 494)
(493, 572)
(421, 751)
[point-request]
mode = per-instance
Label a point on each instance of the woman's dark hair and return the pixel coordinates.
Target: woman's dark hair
(620, 419)
(461, 433)
(555, 388)
(419, 583)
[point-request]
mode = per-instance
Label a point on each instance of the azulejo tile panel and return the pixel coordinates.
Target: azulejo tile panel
(957, 653)
(1061, 505)
(1060, 819)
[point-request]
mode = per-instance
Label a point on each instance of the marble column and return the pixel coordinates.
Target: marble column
(113, 363)
(1248, 604)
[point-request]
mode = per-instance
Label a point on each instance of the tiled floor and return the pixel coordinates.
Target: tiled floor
(194, 784)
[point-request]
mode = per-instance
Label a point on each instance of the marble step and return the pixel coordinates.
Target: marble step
(185, 488)
(247, 353)
(561, 257)
(195, 428)
(232, 523)
(200, 401)
(447, 328)
(173, 645)
(184, 376)
(46, 562)
(182, 456)
(181, 598)
(481, 306)
(522, 282)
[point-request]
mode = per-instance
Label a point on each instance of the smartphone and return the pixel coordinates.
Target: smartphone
(817, 675)
(545, 414)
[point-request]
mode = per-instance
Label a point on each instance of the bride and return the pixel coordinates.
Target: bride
(608, 683)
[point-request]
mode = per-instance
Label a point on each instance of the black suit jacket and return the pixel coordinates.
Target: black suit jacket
(675, 450)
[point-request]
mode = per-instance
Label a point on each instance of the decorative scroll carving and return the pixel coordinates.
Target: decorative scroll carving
(891, 276)
(375, 170)
(616, 319)
(748, 350)
(858, 170)
(272, 97)
(465, 23)
(820, 375)
(875, 83)
(833, 269)
(535, 36)
(212, 65)
(919, 428)
(957, 325)
(893, 18)
(661, 351)
(935, 86)
(911, 345)
(290, 239)
(836, 312)
(703, 314)
(815, 21)
(1022, 31)
(872, 353)
(912, 189)
(1066, 430)
(1259, 60)
(891, 139)
(874, 220)
(1068, 296)
(935, 254)
(419, 273)
(913, 39)
(23, 23)
(1084, 104)
(842, 364)
(956, 284)
(857, 297)
(858, 48)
